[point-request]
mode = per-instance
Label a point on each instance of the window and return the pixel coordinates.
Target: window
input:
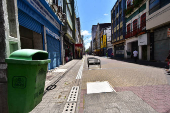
(154, 5)
(116, 21)
(55, 2)
(128, 3)
(120, 17)
(120, 6)
(135, 25)
(128, 28)
(143, 20)
(121, 31)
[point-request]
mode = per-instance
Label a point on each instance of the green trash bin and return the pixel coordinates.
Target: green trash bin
(26, 79)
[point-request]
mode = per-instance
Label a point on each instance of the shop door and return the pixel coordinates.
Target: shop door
(54, 52)
(134, 47)
(161, 44)
(144, 52)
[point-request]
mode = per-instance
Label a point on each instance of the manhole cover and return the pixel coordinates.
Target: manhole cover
(73, 94)
(69, 108)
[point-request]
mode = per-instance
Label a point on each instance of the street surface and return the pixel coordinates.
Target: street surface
(137, 88)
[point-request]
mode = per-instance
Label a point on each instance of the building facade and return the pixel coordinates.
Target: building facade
(136, 37)
(93, 32)
(158, 24)
(40, 29)
(118, 28)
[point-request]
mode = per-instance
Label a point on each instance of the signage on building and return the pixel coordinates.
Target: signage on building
(101, 42)
(41, 9)
(142, 39)
(168, 32)
(119, 51)
(52, 34)
(104, 40)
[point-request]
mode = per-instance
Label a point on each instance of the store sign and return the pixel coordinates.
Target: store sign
(52, 34)
(142, 40)
(41, 9)
(168, 32)
(104, 40)
(119, 51)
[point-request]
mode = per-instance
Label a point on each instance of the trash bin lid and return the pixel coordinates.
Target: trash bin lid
(28, 55)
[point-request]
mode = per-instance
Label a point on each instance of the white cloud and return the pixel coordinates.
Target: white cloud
(105, 14)
(85, 32)
(87, 42)
(87, 45)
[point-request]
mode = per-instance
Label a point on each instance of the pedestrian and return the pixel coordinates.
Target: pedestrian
(168, 60)
(112, 55)
(106, 54)
(135, 55)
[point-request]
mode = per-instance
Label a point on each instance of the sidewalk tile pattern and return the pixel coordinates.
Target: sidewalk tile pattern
(156, 96)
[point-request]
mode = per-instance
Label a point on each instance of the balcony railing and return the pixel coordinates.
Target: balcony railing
(136, 31)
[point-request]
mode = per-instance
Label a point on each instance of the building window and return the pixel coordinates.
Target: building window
(120, 17)
(128, 28)
(134, 27)
(55, 2)
(128, 3)
(143, 20)
(120, 6)
(153, 6)
(116, 21)
(121, 31)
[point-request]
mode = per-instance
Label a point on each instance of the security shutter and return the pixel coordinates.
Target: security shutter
(53, 48)
(161, 44)
(28, 22)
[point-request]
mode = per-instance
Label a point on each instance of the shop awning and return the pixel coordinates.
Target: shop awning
(70, 38)
(78, 45)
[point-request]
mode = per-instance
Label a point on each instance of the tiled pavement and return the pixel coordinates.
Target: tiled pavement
(64, 78)
(148, 83)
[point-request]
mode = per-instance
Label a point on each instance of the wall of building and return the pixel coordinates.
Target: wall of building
(158, 18)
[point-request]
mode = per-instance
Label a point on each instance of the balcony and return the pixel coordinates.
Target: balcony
(141, 29)
(132, 7)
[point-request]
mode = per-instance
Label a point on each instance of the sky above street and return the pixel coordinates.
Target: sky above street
(92, 12)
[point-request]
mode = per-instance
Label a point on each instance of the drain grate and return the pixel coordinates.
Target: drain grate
(73, 94)
(69, 108)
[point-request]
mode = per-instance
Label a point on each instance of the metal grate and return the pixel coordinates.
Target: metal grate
(69, 108)
(73, 94)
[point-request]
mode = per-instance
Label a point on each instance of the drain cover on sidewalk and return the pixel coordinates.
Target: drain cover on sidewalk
(69, 108)
(73, 94)
(99, 87)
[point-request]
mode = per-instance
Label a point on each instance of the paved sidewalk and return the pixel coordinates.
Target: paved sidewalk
(146, 84)
(57, 87)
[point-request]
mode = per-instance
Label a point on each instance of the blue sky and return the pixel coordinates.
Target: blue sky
(92, 12)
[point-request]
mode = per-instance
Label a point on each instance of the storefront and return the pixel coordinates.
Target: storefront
(78, 51)
(68, 48)
(119, 50)
(161, 43)
(40, 29)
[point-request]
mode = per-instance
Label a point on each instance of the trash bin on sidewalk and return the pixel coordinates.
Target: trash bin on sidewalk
(26, 79)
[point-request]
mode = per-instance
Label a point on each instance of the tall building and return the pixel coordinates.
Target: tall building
(118, 28)
(136, 34)
(158, 23)
(93, 32)
(99, 33)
